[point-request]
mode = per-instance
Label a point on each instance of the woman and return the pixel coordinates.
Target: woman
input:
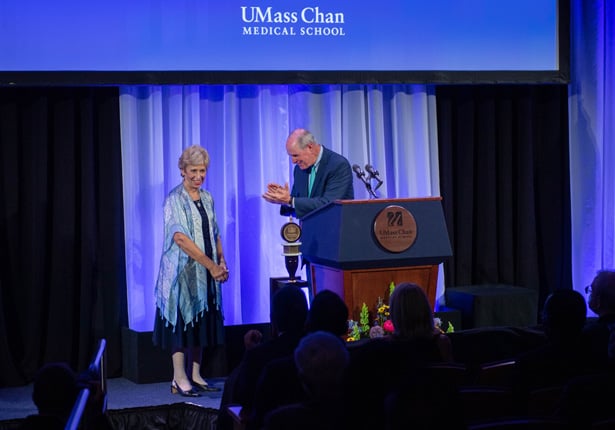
(188, 297)
(387, 365)
(412, 319)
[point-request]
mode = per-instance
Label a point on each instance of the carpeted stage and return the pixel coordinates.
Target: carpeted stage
(130, 405)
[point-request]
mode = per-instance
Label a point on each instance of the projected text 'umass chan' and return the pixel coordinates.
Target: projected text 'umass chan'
(272, 23)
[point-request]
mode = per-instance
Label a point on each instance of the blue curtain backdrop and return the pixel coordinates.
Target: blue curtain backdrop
(592, 138)
(389, 126)
(244, 128)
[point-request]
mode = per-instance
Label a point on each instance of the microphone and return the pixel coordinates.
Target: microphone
(360, 173)
(373, 173)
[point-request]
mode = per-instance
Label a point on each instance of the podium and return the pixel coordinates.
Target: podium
(356, 248)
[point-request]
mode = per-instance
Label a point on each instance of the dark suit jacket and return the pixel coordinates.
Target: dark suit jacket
(333, 182)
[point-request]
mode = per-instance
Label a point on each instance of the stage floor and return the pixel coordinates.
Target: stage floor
(121, 394)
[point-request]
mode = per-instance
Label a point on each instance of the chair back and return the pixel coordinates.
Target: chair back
(523, 424)
(543, 402)
(496, 373)
(604, 424)
(455, 374)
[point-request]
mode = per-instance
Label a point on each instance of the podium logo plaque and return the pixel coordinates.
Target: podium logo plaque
(395, 229)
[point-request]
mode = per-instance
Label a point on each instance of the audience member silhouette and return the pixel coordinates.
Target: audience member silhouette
(251, 339)
(587, 399)
(381, 365)
(329, 313)
(563, 356)
(288, 315)
(54, 393)
(601, 331)
(279, 382)
(321, 359)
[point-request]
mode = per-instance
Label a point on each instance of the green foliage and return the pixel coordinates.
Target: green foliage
(364, 319)
(354, 333)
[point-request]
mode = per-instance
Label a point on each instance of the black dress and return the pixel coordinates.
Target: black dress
(208, 330)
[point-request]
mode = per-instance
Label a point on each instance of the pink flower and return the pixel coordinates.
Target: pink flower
(388, 326)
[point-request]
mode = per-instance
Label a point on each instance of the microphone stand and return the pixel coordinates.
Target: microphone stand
(361, 175)
(373, 174)
(380, 182)
(369, 188)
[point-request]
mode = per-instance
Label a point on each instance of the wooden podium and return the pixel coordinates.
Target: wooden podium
(358, 247)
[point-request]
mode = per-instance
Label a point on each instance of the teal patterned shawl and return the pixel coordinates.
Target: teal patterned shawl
(182, 282)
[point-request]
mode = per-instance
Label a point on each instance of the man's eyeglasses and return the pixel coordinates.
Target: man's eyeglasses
(588, 289)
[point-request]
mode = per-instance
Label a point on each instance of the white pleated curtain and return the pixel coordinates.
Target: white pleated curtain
(244, 128)
(592, 139)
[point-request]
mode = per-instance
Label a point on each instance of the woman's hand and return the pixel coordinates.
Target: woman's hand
(219, 272)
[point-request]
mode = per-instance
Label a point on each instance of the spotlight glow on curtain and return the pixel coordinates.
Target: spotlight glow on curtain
(592, 139)
(244, 128)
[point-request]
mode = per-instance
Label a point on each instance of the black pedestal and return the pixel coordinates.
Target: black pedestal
(276, 283)
(493, 305)
(447, 315)
(143, 363)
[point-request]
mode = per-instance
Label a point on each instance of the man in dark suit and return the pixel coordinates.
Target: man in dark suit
(320, 176)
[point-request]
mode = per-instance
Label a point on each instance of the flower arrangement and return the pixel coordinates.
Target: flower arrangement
(381, 325)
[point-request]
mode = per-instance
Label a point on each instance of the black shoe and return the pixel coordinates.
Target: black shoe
(204, 387)
(175, 389)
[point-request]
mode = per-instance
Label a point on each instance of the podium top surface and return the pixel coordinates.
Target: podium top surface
(372, 202)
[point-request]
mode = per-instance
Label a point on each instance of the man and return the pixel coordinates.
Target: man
(320, 176)
(601, 331)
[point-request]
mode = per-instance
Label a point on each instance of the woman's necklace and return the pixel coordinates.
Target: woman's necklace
(196, 197)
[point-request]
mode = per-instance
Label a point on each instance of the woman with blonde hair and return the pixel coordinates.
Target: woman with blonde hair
(192, 267)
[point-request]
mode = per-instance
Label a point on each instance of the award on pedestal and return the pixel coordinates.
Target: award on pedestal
(291, 233)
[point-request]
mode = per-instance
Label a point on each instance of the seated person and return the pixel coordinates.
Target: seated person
(321, 359)
(380, 365)
(279, 382)
(601, 332)
(563, 356)
(54, 393)
(288, 314)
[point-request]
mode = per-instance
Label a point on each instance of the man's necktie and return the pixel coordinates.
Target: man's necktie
(311, 179)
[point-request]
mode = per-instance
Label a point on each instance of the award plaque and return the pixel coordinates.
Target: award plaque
(291, 233)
